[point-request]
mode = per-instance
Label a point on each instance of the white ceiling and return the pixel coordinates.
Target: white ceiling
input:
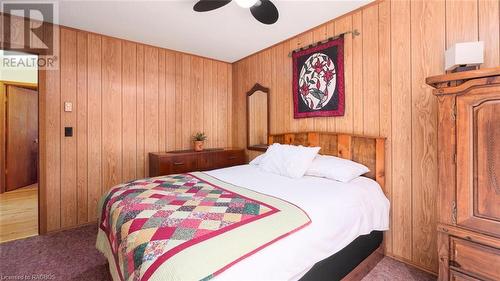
(228, 34)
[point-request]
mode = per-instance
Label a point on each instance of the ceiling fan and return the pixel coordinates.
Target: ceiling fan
(262, 10)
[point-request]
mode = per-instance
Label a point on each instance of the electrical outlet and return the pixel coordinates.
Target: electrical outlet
(68, 131)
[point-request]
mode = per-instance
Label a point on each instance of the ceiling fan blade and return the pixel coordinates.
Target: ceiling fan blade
(265, 12)
(209, 5)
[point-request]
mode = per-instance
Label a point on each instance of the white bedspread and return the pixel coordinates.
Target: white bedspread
(340, 212)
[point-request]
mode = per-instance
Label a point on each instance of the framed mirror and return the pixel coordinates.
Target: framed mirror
(257, 118)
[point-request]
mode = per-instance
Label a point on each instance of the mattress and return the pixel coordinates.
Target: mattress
(340, 212)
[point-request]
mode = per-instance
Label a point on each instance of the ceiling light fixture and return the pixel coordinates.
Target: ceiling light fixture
(246, 3)
(262, 10)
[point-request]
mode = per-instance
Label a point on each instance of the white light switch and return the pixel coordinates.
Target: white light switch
(68, 106)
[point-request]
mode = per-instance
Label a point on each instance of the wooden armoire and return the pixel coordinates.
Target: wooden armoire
(469, 174)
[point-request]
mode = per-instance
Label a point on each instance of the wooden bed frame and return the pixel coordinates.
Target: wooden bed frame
(369, 151)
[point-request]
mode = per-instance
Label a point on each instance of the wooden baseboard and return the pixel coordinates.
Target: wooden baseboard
(365, 266)
(70, 227)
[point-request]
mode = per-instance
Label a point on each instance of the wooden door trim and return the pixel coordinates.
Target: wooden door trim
(3, 95)
(42, 194)
(5, 136)
(31, 86)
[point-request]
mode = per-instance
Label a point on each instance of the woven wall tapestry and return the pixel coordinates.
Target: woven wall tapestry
(318, 80)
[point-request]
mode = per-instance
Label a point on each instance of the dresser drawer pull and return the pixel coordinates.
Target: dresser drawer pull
(232, 157)
(178, 163)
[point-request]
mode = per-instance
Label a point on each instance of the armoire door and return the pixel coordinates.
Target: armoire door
(478, 160)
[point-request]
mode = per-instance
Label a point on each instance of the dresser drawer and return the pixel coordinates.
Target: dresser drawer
(475, 259)
(185, 161)
(230, 158)
(178, 164)
(206, 162)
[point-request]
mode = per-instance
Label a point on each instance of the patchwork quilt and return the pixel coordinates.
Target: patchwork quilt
(188, 226)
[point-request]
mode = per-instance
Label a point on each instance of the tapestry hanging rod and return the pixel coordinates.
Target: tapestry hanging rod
(354, 33)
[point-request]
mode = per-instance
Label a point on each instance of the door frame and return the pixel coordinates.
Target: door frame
(3, 135)
(41, 212)
(41, 86)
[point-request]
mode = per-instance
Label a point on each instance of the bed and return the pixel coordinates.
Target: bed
(334, 228)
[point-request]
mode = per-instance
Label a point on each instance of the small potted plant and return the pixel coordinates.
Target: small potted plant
(198, 140)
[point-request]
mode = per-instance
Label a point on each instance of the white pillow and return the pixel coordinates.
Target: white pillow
(257, 160)
(335, 168)
(288, 160)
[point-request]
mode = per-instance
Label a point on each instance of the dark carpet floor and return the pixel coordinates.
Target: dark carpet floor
(71, 256)
(393, 270)
(66, 255)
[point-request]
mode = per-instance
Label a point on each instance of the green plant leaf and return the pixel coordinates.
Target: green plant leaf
(317, 94)
(199, 136)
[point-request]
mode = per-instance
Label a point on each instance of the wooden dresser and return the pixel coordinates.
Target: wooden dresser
(183, 161)
(469, 174)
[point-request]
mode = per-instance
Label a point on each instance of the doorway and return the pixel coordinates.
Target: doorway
(19, 153)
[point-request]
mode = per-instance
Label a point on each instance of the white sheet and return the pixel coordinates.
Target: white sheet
(339, 212)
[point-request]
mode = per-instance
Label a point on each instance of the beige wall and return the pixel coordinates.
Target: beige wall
(401, 43)
(22, 74)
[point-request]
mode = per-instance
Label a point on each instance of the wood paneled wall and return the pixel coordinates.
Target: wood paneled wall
(401, 43)
(129, 99)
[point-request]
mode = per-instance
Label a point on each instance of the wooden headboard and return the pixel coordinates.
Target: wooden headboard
(369, 151)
